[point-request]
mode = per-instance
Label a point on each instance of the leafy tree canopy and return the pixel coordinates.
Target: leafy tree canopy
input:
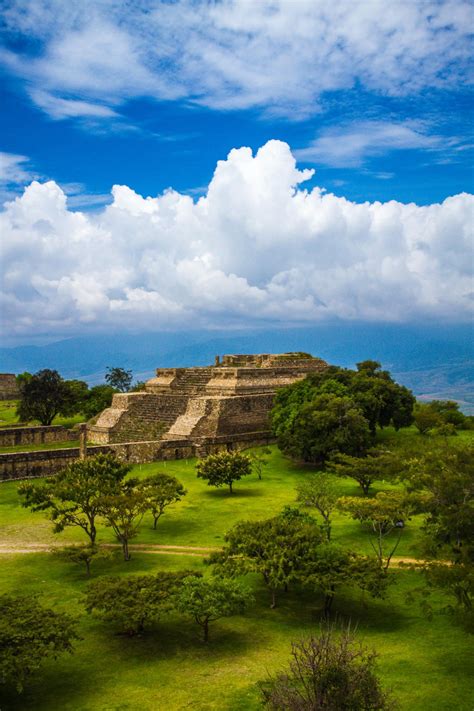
(119, 378)
(277, 548)
(98, 398)
(209, 600)
(161, 490)
(134, 602)
(43, 396)
(376, 465)
(369, 392)
(73, 497)
(28, 634)
(223, 468)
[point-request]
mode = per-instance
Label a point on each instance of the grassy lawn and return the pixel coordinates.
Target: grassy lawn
(8, 417)
(39, 447)
(426, 663)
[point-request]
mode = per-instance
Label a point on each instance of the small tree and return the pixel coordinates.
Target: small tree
(223, 468)
(28, 634)
(319, 492)
(43, 396)
(123, 512)
(426, 418)
(119, 378)
(260, 460)
(209, 600)
(73, 496)
(161, 490)
(134, 602)
(383, 515)
(328, 673)
(82, 555)
(365, 470)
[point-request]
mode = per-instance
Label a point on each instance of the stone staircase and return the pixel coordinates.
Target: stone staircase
(185, 424)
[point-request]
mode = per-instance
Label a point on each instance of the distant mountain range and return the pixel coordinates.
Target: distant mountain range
(434, 361)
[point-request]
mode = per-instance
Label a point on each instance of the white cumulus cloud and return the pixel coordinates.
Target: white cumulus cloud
(257, 248)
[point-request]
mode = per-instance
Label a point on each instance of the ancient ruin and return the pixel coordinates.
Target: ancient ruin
(8, 386)
(205, 408)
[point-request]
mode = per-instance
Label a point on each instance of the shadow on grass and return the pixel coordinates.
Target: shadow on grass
(236, 494)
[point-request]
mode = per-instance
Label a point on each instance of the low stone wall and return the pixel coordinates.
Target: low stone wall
(28, 465)
(16, 436)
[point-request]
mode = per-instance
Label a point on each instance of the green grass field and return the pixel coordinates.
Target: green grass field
(426, 663)
(8, 416)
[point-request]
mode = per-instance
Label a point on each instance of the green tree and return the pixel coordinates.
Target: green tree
(43, 396)
(119, 378)
(319, 492)
(277, 548)
(426, 418)
(384, 515)
(81, 555)
(123, 512)
(376, 465)
(160, 491)
(323, 426)
(223, 468)
(28, 634)
(260, 460)
(73, 497)
(444, 479)
(330, 672)
(134, 602)
(209, 600)
(98, 399)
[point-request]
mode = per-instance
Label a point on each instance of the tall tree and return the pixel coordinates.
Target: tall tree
(325, 425)
(73, 497)
(43, 396)
(119, 378)
(160, 491)
(209, 600)
(223, 468)
(29, 633)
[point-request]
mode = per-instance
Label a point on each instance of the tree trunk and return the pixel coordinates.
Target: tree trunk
(230, 487)
(126, 552)
(88, 568)
(273, 605)
(155, 521)
(328, 600)
(206, 630)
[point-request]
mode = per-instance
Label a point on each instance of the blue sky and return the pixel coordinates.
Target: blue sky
(374, 97)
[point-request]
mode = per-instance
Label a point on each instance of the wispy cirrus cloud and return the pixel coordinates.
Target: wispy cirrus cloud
(352, 144)
(280, 57)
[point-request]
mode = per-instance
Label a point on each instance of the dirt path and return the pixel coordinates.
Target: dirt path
(156, 549)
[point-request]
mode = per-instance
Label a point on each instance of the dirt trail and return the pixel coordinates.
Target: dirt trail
(157, 549)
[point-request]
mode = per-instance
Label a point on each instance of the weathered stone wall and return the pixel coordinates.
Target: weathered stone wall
(15, 436)
(27, 465)
(8, 387)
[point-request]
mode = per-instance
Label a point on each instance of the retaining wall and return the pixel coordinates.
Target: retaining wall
(15, 436)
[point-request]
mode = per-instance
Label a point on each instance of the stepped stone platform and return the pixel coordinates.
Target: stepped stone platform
(206, 408)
